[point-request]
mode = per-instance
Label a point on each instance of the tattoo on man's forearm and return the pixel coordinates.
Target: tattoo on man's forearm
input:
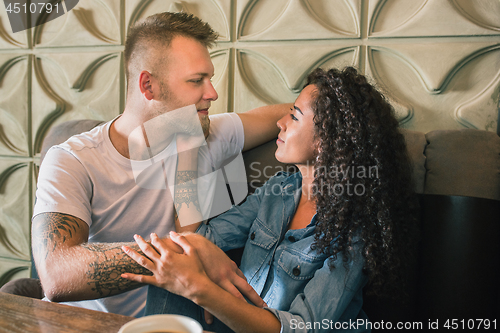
(53, 231)
(104, 273)
(186, 190)
(188, 176)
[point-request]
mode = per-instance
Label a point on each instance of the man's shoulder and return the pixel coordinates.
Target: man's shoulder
(221, 122)
(226, 127)
(83, 141)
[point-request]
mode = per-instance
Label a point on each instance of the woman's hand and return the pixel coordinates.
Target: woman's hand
(176, 267)
(178, 262)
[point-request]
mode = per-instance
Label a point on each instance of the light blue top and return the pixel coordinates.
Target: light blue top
(295, 281)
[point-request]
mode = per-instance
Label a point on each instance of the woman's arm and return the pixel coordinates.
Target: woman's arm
(239, 315)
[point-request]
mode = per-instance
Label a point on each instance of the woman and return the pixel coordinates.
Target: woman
(315, 238)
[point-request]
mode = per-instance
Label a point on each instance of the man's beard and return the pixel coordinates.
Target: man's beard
(166, 96)
(205, 124)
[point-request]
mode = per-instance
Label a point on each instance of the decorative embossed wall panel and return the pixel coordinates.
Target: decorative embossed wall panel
(436, 93)
(9, 40)
(13, 269)
(422, 18)
(438, 62)
(15, 212)
(14, 108)
(90, 23)
(298, 19)
(264, 74)
(62, 91)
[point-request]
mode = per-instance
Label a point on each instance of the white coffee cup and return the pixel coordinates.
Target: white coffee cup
(162, 323)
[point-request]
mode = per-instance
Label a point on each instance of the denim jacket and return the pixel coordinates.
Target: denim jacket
(294, 280)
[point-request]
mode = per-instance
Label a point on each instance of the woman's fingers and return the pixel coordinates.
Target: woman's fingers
(242, 285)
(146, 279)
(241, 289)
(165, 244)
(182, 242)
(138, 258)
(209, 318)
(239, 272)
(230, 288)
(146, 248)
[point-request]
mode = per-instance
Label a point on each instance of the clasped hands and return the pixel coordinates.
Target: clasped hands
(182, 263)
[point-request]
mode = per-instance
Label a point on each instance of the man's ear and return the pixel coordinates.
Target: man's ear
(146, 83)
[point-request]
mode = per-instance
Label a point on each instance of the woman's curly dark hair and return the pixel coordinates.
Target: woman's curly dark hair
(361, 149)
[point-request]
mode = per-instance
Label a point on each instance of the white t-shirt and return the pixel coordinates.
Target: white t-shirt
(86, 177)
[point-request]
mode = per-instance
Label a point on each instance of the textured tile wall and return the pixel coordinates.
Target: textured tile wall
(437, 60)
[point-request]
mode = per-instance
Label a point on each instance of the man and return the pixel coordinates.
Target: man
(88, 202)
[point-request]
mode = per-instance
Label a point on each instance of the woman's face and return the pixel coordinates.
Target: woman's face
(295, 140)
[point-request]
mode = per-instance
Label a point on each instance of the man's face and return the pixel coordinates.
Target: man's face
(185, 79)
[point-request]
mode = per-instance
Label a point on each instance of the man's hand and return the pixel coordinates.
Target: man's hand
(173, 270)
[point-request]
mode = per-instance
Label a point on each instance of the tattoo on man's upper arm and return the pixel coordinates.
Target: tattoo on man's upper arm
(54, 230)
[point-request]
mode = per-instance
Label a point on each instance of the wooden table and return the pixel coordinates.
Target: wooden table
(23, 314)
